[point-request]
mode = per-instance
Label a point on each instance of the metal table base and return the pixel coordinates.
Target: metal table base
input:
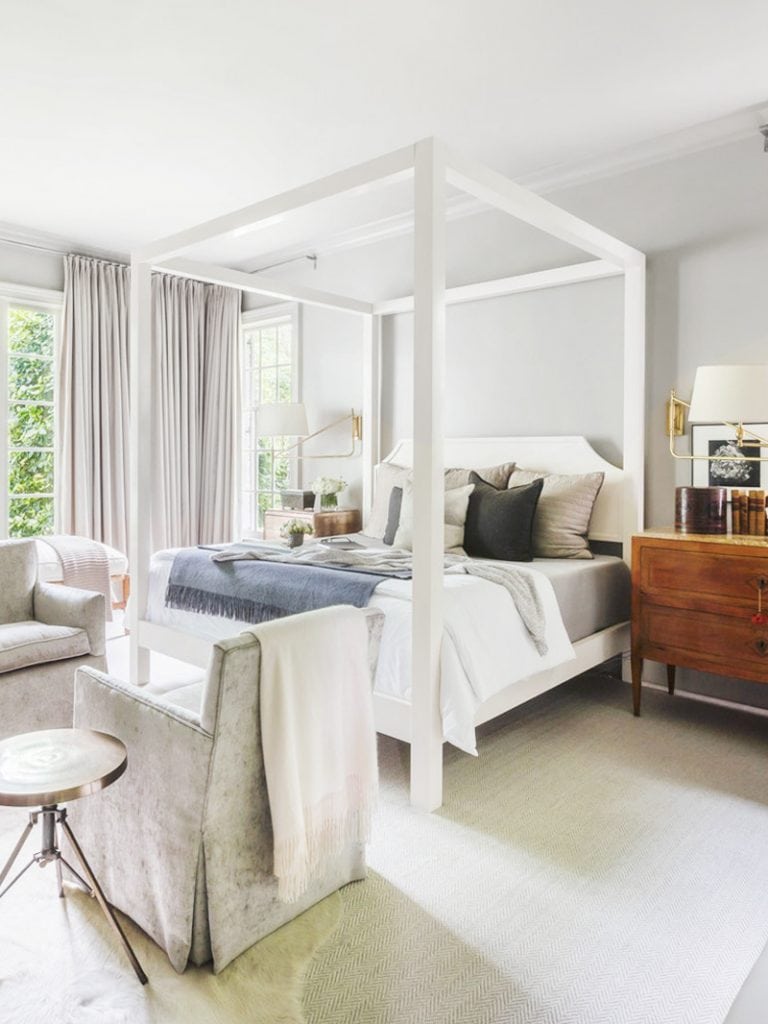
(53, 815)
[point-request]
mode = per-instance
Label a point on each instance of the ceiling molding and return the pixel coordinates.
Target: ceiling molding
(30, 238)
(743, 124)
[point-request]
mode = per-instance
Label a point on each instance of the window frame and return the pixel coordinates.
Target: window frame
(43, 300)
(263, 317)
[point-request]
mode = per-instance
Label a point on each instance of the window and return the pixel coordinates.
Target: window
(27, 357)
(270, 374)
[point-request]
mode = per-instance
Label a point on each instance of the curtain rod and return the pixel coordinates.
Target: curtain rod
(4, 240)
(312, 257)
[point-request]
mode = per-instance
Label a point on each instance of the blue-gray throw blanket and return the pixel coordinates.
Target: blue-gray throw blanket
(256, 591)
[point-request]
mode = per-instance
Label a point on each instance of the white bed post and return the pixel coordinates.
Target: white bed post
(428, 487)
(371, 405)
(140, 462)
(634, 401)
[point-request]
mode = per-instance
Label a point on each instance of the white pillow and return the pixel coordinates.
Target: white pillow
(456, 503)
(386, 476)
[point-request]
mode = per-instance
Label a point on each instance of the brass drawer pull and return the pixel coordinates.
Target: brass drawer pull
(758, 583)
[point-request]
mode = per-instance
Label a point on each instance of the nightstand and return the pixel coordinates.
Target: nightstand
(329, 523)
(695, 602)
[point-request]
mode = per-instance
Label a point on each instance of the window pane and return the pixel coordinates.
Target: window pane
(29, 517)
(285, 343)
(265, 471)
(282, 474)
(284, 384)
(269, 385)
(30, 472)
(30, 426)
(268, 346)
(30, 380)
(30, 331)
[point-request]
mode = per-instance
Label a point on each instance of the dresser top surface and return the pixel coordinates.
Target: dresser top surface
(670, 533)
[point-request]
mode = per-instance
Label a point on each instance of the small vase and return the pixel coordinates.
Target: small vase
(328, 501)
(296, 540)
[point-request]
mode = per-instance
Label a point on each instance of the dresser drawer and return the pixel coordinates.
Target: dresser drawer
(704, 640)
(704, 580)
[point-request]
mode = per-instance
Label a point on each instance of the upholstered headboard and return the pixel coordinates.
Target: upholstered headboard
(564, 454)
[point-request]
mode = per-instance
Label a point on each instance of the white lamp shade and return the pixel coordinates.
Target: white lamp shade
(734, 394)
(282, 419)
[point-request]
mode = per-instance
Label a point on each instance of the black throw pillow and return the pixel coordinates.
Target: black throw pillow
(500, 522)
(393, 515)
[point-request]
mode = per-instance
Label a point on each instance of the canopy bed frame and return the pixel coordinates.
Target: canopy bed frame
(432, 167)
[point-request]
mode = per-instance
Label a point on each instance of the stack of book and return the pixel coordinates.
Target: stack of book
(748, 512)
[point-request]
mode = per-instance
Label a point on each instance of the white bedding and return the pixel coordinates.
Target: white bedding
(485, 644)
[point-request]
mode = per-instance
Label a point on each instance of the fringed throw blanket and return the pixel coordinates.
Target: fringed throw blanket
(318, 740)
(399, 564)
(260, 591)
(84, 564)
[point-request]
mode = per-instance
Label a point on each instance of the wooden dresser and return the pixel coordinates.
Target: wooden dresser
(695, 603)
(330, 523)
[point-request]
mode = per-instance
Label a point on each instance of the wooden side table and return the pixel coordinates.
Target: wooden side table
(329, 523)
(696, 603)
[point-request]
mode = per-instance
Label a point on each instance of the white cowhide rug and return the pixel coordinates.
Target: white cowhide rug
(60, 962)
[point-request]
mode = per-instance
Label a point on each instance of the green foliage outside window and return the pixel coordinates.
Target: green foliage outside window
(30, 422)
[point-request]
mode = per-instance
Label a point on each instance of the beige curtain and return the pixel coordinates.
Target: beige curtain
(92, 385)
(196, 404)
(196, 366)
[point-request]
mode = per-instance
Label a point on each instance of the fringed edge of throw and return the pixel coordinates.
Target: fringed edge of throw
(339, 819)
(190, 599)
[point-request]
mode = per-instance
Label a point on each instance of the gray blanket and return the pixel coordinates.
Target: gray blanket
(260, 591)
(398, 563)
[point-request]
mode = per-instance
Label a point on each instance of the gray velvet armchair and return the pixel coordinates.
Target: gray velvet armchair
(46, 632)
(183, 842)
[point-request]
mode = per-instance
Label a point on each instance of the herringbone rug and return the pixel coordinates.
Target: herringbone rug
(588, 868)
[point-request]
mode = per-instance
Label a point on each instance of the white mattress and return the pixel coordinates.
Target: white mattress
(49, 566)
(485, 644)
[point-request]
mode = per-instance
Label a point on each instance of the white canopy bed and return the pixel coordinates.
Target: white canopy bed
(618, 512)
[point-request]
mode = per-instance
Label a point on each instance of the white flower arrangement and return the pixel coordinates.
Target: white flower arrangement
(294, 526)
(325, 485)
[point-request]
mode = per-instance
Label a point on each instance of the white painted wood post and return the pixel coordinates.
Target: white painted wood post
(139, 536)
(634, 401)
(371, 406)
(428, 487)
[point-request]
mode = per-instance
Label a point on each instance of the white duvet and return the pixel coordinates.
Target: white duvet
(485, 645)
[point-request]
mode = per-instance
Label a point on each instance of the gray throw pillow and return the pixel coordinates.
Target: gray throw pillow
(500, 522)
(564, 512)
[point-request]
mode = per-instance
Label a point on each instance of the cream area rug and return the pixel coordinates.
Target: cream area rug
(587, 868)
(60, 962)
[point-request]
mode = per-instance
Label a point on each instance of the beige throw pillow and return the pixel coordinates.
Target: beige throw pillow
(565, 508)
(456, 502)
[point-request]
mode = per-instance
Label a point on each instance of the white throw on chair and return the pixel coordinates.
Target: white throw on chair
(183, 844)
(46, 632)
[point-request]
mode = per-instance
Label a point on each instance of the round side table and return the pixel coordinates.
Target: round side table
(43, 769)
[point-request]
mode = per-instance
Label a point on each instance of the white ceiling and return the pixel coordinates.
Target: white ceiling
(122, 122)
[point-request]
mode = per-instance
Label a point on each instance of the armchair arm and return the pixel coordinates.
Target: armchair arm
(67, 606)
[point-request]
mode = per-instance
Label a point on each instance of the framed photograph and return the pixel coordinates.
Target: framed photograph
(736, 472)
